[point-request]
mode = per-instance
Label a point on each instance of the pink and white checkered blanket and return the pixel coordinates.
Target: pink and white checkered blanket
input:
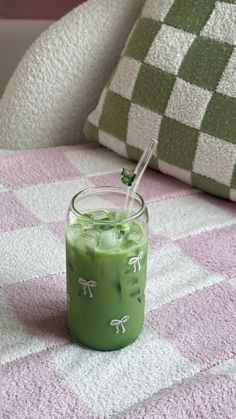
(182, 366)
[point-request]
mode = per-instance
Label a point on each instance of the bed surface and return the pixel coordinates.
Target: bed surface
(183, 365)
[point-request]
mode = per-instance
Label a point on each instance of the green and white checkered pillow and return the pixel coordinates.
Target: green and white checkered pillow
(176, 81)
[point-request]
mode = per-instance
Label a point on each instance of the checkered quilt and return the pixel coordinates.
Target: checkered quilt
(183, 364)
(176, 81)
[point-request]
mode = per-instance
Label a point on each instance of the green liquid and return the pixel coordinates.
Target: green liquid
(106, 277)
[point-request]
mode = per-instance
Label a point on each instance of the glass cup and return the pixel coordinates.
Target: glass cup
(106, 256)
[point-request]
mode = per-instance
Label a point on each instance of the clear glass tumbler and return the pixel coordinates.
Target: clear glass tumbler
(106, 267)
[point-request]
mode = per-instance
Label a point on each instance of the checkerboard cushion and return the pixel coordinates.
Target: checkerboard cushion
(176, 82)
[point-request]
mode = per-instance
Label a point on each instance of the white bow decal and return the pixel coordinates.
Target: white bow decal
(87, 285)
(118, 323)
(136, 261)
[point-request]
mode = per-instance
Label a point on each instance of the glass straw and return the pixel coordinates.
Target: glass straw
(138, 171)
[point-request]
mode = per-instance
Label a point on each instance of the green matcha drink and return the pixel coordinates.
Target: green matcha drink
(106, 271)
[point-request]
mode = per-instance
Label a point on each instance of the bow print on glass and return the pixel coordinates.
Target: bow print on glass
(136, 261)
(118, 323)
(87, 286)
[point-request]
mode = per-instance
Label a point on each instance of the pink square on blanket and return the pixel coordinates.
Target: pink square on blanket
(153, 187)
(32, 388)
(201, 325)
(35, 167)
(13, 215)
(203, 396)
(40, 305)
(214, 250)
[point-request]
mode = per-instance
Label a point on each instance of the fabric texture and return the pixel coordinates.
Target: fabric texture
(183, 364)
(175, 82)
(59, 79)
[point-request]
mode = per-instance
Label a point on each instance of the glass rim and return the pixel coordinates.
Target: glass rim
(132, 217)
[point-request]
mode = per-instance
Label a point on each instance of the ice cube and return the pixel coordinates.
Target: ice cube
(118, 234)
(87, 226)
(124, 229)
(87, 244)
(135, 237)
(108, 239)
(118, 215)
(91, 235)
(74, 231)
(100, 215)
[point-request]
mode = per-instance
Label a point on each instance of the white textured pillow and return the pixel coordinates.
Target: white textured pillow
(60, 78)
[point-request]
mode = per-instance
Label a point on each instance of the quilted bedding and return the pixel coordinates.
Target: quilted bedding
(182, 366)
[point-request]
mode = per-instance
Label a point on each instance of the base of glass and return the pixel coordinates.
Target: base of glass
(99, 347)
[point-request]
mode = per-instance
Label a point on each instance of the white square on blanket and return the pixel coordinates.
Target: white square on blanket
(2, 188)
(188, 103)
(157, 9)
(221, 25)
(163, 286)
(16, 342)
(179, 217)
(124, 79)
(129, 375)
(226, 368)
(97, 160)
(232, 282)
(227, 84)
(168, 49)
(215, 158)
(30, 253)
(50, 202)
(143, 124)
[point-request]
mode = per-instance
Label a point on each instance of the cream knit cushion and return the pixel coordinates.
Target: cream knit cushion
(60, 78)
